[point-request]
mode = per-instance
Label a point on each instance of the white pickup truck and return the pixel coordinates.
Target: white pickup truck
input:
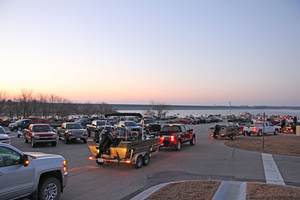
(33, 175)
(260, 128)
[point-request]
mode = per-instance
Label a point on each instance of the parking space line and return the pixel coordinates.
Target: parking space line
(272, 173)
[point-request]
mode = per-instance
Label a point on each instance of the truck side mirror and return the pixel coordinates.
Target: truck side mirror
(24, 160)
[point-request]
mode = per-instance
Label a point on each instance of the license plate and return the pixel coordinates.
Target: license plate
(78, 138)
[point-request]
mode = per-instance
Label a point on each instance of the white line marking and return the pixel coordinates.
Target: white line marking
(272, 173)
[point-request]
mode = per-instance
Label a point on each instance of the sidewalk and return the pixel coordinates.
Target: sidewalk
(228, 190)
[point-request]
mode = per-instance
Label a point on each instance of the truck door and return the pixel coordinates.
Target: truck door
(15, 179)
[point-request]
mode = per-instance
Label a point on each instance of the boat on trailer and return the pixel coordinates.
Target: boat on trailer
(121, 147)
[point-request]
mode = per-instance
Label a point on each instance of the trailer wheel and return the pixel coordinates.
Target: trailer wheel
(139, 162)
(146, 159)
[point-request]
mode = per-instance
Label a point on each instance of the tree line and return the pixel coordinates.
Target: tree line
(27, 104)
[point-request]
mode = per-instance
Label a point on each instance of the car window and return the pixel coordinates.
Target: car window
(9, 157)
(171, 129)
(2, 131)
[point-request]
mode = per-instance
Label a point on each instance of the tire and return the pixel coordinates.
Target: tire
(178, 145)
(146, 159)
(276, 132)
(53, 144)
(233, 137)
(139, 162)
(259, 133)
(66, 140)
(49, 189)
(32, 143)
(193, 141)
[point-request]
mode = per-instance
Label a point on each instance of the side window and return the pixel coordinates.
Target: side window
(183, 129)
(9, 157)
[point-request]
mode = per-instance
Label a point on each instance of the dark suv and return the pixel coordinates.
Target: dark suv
(20, 124)
(176, 134)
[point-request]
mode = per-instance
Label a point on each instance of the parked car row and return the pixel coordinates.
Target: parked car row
(199, 120)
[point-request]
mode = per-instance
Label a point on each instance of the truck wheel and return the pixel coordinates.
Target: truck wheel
(53, 144)
(66, 140)
(233, 137)
(276, 132)
(139, 162)
(259, 133)
(146, 159)
(33, 144)
(193, 141)
(50, 189)
(178, 146)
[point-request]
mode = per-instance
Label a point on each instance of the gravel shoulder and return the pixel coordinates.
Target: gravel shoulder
(283, 144)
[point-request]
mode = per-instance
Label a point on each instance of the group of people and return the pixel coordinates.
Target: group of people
(294, 124)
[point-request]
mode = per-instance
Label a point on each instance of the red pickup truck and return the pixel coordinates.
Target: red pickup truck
(40, 133)
(187, 121)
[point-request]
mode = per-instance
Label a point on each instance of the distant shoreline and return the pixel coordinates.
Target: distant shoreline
(193, 107)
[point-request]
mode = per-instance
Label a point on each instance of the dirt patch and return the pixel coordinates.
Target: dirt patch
(274, 192)
(187, 190)
(272, 144)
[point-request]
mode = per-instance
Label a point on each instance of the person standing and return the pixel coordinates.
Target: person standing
(283, 122)
(295, 120)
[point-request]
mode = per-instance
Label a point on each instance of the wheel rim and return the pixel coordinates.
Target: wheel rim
(178, 145)
(51, 191)
(146, 159)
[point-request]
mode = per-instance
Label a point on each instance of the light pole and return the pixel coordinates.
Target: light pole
(230, 107)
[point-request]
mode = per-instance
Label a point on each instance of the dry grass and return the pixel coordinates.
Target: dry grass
(187, 190)
(281, 144)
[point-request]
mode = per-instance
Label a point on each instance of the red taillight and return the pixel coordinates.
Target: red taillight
(254, 129)
(172, 138)
(171, 125)
(127, 161)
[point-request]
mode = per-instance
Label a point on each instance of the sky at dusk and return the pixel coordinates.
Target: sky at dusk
(193, 52)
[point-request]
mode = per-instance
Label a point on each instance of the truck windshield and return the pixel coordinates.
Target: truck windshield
(41, 129)
(73, 126)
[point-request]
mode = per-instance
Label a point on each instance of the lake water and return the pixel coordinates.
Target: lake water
(225, 112)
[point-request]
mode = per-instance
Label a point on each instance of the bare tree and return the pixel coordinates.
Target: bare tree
(104, 108)
(44, 104)
(161, 109)
(3, 101)
(89, 109)
(28, 103)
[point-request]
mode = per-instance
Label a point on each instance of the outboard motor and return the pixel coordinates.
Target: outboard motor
(106, 139)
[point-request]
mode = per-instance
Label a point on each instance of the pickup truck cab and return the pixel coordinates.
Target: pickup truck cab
(96, 127)
(72, 131)
(260, 128)
(33, 175)
(40, 133)
(177, 134)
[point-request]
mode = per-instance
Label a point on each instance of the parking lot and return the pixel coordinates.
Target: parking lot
(209, 159)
